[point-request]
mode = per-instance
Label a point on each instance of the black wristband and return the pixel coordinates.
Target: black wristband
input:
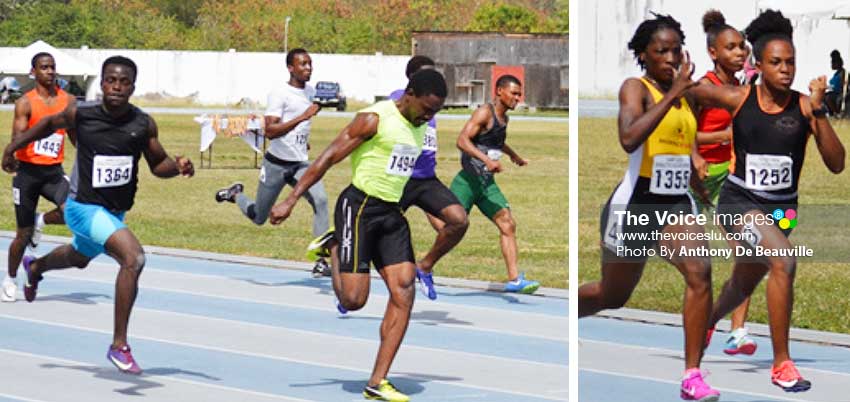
(819, 112)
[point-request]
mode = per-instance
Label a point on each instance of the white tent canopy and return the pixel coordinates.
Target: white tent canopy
(66, 65)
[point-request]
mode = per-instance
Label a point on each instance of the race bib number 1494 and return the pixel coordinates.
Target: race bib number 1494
(402, 160)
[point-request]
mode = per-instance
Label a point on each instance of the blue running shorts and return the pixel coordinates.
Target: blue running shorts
(92, 225)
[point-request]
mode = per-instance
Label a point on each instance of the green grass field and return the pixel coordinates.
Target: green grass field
(183, 213)
(820, 300)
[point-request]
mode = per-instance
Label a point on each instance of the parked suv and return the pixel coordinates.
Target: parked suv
(329, 94)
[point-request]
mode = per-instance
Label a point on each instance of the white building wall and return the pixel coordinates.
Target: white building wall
(606, 26)
(227, 77)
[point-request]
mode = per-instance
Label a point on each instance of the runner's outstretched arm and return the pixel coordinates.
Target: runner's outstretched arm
(361, 129)
(160, 164)
(44, 128)
(830, 147)
(725, 97)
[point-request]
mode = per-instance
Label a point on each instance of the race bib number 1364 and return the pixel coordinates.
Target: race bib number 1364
(111, 171)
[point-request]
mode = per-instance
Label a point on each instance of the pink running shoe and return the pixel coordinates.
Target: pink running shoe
(695, 389)
(122, 358)
(788, 378)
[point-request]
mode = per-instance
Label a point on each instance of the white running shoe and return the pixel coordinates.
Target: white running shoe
(10, 289)
(36, 232)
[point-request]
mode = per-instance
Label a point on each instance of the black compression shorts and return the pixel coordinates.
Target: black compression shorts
(430, 195)
(32, 181)
(370, 230)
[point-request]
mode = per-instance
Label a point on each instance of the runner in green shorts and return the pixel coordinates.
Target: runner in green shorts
(482, 142)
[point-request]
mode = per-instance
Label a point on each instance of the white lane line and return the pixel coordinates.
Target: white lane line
(324, 309)
(167, 378)
(471, 307)
(713, 357)
(22, 398)
(286, 359)
(305, 333)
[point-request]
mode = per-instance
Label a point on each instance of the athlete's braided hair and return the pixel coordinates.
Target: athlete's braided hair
(768, 26)
(647, 28)
(713, 23)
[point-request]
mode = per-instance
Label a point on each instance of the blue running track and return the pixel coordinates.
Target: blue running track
(628, 361)
(208, 330)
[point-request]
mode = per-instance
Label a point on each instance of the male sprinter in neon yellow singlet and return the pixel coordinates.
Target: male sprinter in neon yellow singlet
(384, 141)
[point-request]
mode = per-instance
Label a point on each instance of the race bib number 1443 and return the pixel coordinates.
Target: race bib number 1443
(49, 146)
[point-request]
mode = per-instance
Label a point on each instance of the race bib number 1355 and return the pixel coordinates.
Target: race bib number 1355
(670, 174)
(111, 171)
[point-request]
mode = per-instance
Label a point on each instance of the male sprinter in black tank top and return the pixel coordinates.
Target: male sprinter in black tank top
(482, 143)
(111, 137)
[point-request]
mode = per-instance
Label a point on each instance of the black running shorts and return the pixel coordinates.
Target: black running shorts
(430, 195)
(735, 200)
(32, 181)
(624, 238)
(370, 230)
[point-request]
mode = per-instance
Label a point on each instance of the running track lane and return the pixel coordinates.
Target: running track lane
(207, 330)
(636, 362)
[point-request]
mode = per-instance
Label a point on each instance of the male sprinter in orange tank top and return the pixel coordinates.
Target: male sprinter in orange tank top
(40, 166)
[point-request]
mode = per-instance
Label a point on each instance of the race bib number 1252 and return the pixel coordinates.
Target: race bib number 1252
(769, 172)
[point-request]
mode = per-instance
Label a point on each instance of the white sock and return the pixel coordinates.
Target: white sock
(39, 220)
(739, 333)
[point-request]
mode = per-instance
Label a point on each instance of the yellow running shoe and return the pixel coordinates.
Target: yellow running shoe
(385, 391)
(318, 248)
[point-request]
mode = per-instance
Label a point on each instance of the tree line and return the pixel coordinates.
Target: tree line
(321, 26)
